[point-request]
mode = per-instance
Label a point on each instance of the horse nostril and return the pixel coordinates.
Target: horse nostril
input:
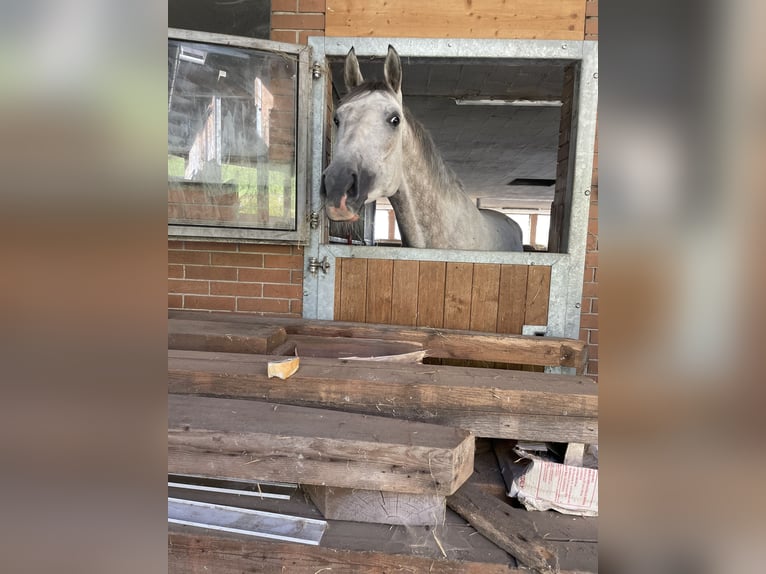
(353, 191)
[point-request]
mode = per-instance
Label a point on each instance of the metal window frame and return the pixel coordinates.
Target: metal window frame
(263, 235)
(566, 268)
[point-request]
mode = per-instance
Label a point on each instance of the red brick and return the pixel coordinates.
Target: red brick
(206, 272)
(182, 286)
(585, 304)
(265, 275)
(175, 271)
(303, 36)
(584, 335)
(210, 303)
(289, 36)
(591, 8)
(594, 305)
(297, 21)
(175, 301)
(593, 210)
(284, 5)
(592, 352)
(193, 257)
(591, 243)
(591, 259)
(283, 261)
(264, 248)
(175, 244)
(237, 259)
(310, 6)
(210, 246)
(236, 289)
(282, 291)
(296, 306)
(591, 26)
(590, 289)
(297, 277)
(592, 368)
(593, 337)
(589, 321)
(263, 305)
(593, 226)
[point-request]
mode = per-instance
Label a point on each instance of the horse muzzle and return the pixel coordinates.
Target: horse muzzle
(338, 186)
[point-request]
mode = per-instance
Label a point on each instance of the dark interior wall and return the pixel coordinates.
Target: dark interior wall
(249, 18)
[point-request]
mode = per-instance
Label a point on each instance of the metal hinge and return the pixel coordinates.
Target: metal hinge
(315, 265)
(316, 71)
(314, 220)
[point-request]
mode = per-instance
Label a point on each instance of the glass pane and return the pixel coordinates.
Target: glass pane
(231, 137)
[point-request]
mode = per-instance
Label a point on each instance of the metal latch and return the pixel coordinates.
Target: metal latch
(315, 265)
(314, 220)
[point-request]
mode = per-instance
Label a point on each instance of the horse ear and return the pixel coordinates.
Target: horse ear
(352, 75)
(393, 70)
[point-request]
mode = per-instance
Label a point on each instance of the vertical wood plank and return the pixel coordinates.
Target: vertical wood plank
(430, 294)
(404, 300)
(337, 311)
(457, 296)
(353, 291)
(512, 299)
(538, 293)
(485, 290)
(379, 290)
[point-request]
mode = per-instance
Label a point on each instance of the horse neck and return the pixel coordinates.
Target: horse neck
(430, 193)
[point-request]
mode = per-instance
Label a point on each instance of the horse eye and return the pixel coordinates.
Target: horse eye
(336, 120)
(394, 120)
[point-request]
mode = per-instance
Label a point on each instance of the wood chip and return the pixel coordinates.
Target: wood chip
(283, 369)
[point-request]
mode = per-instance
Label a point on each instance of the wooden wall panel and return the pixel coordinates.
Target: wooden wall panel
(484, 297)
(353, 290)
(457, 296)
(538, 293)
(477, 296)
(380, 274)
(543, 19)
(513, 298)
(404, 295)
(430, 295)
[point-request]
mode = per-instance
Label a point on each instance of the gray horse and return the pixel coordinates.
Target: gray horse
(382, 151)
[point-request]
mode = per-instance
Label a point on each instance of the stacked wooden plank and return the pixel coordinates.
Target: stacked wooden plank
(379, 442)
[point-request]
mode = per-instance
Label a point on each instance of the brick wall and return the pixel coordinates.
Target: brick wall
(212, 276)
(589, 310)
(295, 20)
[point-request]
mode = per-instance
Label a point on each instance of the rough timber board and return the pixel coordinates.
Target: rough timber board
(224, 336)
(377, 506)
(489, 402)
(232, 438)
(561, 20)
(440, 343)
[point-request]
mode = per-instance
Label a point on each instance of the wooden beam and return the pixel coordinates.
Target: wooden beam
(489, 402)
(495, 520)
(251, 440)
(378, 506)
(440, 343)
(200, 551)
(224, 336)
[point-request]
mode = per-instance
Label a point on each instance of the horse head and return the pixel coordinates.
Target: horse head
(367, 153)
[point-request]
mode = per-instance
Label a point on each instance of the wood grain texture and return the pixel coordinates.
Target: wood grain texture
(457, 296)
(404, 300)
(538, 294)
(430, 295)
(441, 343)
(496, 520)
(245, 439)
(380, 274)
(353, 290)
(378, 506)
(489, 402)
(512, 298)
(191, 550)
(562, 20)
(224, 336)
(484, 297)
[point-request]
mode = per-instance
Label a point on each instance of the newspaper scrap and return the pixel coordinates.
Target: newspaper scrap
(283, 369)
(546, 485)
